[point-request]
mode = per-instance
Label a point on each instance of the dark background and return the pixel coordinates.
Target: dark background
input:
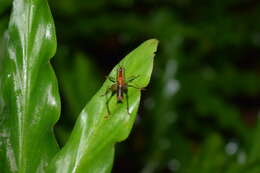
(200, 113)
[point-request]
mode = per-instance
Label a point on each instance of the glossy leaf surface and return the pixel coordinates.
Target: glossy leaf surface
(79, 79)
(90, 148)
(29, 99)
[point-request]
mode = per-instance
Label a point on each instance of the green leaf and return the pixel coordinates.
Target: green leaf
(90, 148)
(79, 80)
(29, 98)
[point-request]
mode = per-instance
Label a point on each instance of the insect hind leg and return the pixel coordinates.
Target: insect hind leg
(113, 91)
(107, 102)
(127, 101)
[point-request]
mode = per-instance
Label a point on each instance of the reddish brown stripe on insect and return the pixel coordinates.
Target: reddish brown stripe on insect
(120, 87)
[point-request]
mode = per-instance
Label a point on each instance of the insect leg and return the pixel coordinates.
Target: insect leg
(133, 86)
(127, 102)
(107, 91)
(107, 102)
(113, 91)
(112, 79)
(132, 78)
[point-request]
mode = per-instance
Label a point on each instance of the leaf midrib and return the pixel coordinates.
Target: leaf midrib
(26, 93)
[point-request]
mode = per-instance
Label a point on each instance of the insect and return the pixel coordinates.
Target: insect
(120, 88)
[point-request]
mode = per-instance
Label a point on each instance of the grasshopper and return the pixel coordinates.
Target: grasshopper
(120, 88)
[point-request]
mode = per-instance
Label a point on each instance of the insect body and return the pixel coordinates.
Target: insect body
(120, 87)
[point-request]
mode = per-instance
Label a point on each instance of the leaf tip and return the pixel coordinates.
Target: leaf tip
(153, 42)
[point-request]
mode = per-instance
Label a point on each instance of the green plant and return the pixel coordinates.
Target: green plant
(30, 103)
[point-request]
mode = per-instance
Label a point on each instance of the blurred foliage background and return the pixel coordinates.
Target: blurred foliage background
(200, 112)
